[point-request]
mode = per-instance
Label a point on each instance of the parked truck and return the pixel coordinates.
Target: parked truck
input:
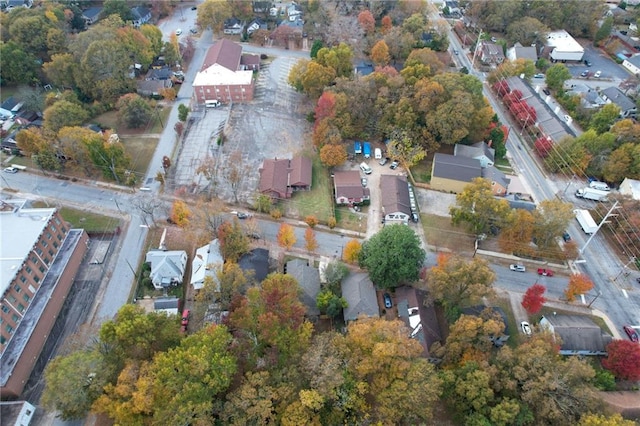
(366, 149)
(357, 147)
(592, 194)
(585, 220)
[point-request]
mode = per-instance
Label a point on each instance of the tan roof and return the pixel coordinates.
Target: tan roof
(225, 53)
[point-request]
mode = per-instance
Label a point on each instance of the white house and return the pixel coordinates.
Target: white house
(630, 187)
(206, 263)
(632, 64)
(564, 47)
(167, 267)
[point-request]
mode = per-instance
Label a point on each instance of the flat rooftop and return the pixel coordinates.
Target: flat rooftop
(19, 231)
(563, 41)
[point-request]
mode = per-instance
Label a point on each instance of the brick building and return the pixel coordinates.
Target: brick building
(39, 258)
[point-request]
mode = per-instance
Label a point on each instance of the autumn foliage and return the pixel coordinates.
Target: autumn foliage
(352, 251)
(333, 155)
(180, 213)
(543, 146)
(310, 241)
(578, 284)
(286, 236)
(623, 359)
(367, 21)
(534, 298)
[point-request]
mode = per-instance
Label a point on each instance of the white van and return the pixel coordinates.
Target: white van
(212, 104)
(365, 168)
(599, 185)
(377, 153)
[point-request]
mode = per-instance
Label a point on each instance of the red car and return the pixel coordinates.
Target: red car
(631, 332)
(545, 272)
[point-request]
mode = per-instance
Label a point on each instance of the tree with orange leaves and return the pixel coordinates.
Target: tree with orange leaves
(286, 236)
(310, 240)
(578, 284)
(180, 213)
(352, 251)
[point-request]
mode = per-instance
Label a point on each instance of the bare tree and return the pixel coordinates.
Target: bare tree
(207, 168)
(148, 206)
(235, 173)
(207, 216)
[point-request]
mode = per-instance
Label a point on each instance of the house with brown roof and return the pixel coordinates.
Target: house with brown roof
(280, 178)
(348, 188)
(226, 74)
(396, 205)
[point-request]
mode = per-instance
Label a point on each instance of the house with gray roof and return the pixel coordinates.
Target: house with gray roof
(481, 151)
(579, 335)
(451, 173)
(518, 51)
(167, 267)
(490, 53)
(627, 106)
(167, 305)
(499, 181)
(91, 15)
(396, 203)
(358, 291)
(308, 279)
(141, 15)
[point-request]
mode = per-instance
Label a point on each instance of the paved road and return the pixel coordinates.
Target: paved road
(600, 264)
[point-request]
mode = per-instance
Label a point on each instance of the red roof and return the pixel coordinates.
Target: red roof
(300, 172)
(274, 177)
(225, 53)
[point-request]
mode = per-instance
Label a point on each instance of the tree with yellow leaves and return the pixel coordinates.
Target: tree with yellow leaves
(311, 244)
(578, 284)
(180, 213)
(352, 251)
(286, 236)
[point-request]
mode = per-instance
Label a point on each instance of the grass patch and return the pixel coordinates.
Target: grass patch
(91, 222)
(422, 171)
(440, 233)
(109, 120)
(346, 219)
(317, 202)
(141, 152)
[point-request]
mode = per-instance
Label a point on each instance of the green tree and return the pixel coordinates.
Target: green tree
(330, 303)
(213, 13)
(22, 67)
(551, 218)
(263, 203)
(117, 7)
(133, 111)
(183, 112)
(104, 70)
(338, 58)
(602, 120)
(404, 149)
(315, 47)
(233, 241)
(154, 35)
(73, 143)
(63, 114)
(73, 382)
(478, 208)
(334, 273)
(527, 31)
(623, 162)
(590, 419)
(457, 282)
(604, 31)
(188, 378)
(30, 33)
(61, 69)
(393, 256)
(556, 75)
(111, 158)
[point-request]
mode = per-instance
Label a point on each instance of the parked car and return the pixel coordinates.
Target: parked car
(455, 51)
(584, 73)
(10, 170)
(363, 181)
(253, 235)
(194, 31)
(242, 215)
(631, 332)
(587, 62)
(394, 165)
(415, 217)
(597, 74)
(538, 76)
(567, 118)
(387, 300)
(566, 237)
(526, 328)
(546, 91)
(545, 272)
(194, 8)
(517, 268)
(178, 31)
(383, 161)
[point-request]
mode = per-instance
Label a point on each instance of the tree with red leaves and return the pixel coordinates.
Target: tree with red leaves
(623, 359)
(543, 146)
(326, 107)
(534, 298)
(501, 87)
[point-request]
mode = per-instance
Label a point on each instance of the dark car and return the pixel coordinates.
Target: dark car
(566, 237)
(253, 235)
(414, 217)
(242, 215)
(631, 332)
(587, 62)
(546, 91)
(194, 8)
(387, 300)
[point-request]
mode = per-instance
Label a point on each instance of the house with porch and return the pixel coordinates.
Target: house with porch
(348, 188)
(396, 203)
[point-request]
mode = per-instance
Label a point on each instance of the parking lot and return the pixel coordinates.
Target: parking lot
(272, 125)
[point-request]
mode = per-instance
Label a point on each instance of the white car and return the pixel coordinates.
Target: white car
(517, 268)
(363, 181)
(178, 31)
(526, 328)
(597, 74)
(567, 118)
(10, 170)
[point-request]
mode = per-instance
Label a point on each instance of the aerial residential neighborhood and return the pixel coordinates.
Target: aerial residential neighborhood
(335, 212)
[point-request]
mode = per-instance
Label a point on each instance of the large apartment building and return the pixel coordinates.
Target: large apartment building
(39, 258)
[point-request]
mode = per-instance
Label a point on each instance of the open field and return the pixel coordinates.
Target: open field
(109, 120)
(440, 233)
(91, 222)
(317, 202)
(141, 150)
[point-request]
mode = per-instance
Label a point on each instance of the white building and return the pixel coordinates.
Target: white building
(632, 64)
(207, 262)
(564, 47)
(167, 267)
(630, 187)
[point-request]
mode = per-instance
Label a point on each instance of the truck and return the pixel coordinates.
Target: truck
(585, 220)
(366, 149)
(357, 147)
(592, 194)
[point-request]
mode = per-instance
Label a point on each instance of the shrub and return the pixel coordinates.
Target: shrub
(275, 213)
(331, 223)
(311, 220)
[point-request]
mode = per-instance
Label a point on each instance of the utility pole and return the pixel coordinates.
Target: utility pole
(475, 51)
(604, 220)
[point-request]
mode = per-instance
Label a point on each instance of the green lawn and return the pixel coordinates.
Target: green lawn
(158, 120)
(91, 222)
(318, 201)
